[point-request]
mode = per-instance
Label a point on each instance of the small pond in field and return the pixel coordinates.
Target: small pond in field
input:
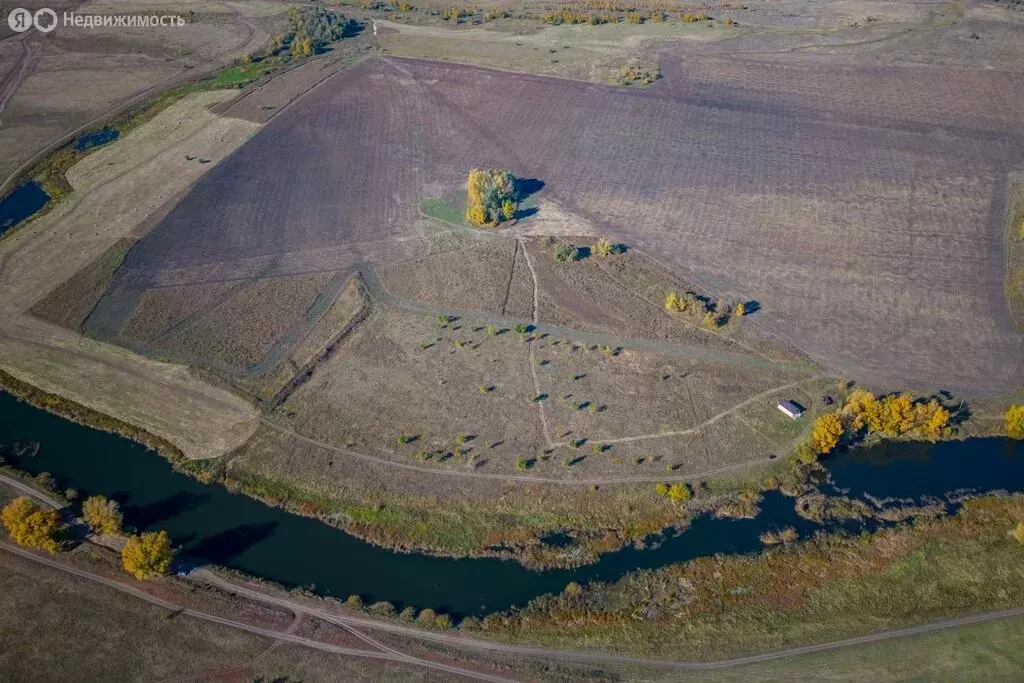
(21, 204)
(217, 526)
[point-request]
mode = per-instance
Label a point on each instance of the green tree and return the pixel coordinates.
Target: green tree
(147, 555)
(565, 253)
(31, 525)
(102, 515)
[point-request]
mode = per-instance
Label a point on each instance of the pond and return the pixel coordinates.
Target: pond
(236, 531)
(21, 204)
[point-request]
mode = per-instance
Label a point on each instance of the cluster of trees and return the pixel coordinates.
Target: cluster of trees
(569, 15)
(636, 73)
(311, 29)
(713, 315)
(31, 525)
(492, 196)
(1014, 420)
(896, 415)
(864, 413)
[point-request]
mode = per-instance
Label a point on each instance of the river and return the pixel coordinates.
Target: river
(208, 522)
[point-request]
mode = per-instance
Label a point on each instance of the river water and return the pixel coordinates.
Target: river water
(236, 531)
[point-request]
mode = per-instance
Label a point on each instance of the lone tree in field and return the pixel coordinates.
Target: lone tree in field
(147, 555)
(491, 195)
(31, 525)
(102, 515)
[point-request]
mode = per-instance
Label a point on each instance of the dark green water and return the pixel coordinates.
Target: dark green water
(210, 523)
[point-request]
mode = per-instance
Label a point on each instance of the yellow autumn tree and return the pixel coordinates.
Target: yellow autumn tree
(896, 415)
(826, 433)
(679, 493)
(604, 247)
(147, 555)
(102, 515)
(31, 525)
(672, 302)
(1014, 420)
(741, 310)
(491, 196)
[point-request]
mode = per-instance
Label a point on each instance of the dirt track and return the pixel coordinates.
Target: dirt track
(719, 171)
(473, 643)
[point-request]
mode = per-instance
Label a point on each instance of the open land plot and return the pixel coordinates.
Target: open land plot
(116, 189)
(79, 74)
(717, 171)
(459, 397)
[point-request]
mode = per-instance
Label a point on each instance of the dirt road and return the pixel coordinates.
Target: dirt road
(388, 654)
(459, 641)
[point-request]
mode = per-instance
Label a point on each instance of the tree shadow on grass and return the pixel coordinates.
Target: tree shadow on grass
(223, 547)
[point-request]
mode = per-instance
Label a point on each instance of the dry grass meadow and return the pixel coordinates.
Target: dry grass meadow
(851, 178)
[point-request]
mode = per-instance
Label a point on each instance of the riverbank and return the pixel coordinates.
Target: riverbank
(826, 588)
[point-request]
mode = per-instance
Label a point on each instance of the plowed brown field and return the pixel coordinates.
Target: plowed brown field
(861, 206)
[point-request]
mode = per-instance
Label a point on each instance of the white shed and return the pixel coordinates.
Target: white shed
(791, 409)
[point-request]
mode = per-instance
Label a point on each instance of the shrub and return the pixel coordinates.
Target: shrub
(1015, 422)
(605, 247)
(634, 17)
(523, 464)
(828, 429)
(492, 330)
(381, 609)
(520, 328)
(102, 515)
(679, 493)
(740, 310)
(445, 622)
(565, 253)
(661, 488)
(672, 302)
(407, 614)
(31, 525)
(427, 617)
(355, 602)
(147, 555)
(1018, 532)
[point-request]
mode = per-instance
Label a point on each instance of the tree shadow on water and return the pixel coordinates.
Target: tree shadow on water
(151, 514)
(227, 545)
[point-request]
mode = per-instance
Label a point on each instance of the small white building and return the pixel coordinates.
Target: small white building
(792, 410)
